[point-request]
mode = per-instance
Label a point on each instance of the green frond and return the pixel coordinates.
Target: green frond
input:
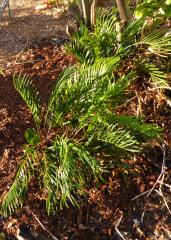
(81, 88)
(29, 94)
(87, 159)
(31, 136)
(134, 124)
(13, 200)
(51, 186)
(88, 46)
(65, 172)
(118, 137)
(105, 23)
(82, 46)
(131, 32)
(106, 32)
(83, 33)
(112, 134)
(61, 177)
(83, 51)
(54, 113)
(64, 77)
(158, 42)
(158, 77)
(116, 89)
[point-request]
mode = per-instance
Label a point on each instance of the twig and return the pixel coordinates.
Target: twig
(116, 227)
(162, 174)
(140, 195)
(30, 61)
(160, 181)
(139, 107)
(26, 44)
(165, 184)
(164, 199)
(52, 236)
(147, 90)
(157, 181)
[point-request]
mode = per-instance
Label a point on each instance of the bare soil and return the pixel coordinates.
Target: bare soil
(29, 25)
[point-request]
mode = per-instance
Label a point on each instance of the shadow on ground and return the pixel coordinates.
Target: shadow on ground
(28, 27)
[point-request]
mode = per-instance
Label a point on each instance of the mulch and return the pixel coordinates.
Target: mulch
(104, 206)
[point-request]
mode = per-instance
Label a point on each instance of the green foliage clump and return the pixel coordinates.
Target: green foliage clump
(80, 134)
(80, 127)
(154, 8)
(143, 45)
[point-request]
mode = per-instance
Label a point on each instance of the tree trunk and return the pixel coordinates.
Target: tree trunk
(88, 8)
(86, 11)
(124, 12)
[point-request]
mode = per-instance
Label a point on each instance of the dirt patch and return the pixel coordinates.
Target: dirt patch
(29, 25)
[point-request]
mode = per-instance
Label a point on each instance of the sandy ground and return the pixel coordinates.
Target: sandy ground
(28, 26)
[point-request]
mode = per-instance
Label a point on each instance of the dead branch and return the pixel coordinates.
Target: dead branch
(52, 236)
(160, 182)
(117, 225)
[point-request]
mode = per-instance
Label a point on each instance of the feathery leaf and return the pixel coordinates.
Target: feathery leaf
(65, 172)
(29, 94)
(13, 200)
(158, 42)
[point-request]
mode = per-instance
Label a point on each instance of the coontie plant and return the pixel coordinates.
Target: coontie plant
(140, 46)
(79, 135)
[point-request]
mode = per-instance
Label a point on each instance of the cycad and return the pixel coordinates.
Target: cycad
(139, 43)
(80, 126)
